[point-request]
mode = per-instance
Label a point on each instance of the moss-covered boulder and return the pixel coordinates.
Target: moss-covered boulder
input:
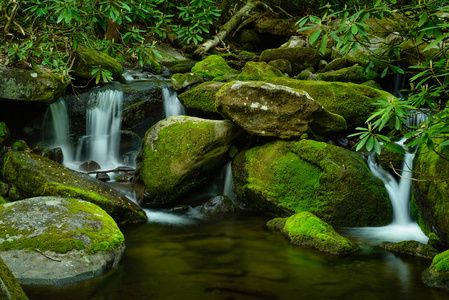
(178, 154)
(391, 161)
(4, 134)
(413, 248)
(300, 57)
(10, 287)
(202, 96)
(282, 65)
(437, 275)
(282, 178)
(430, 205)
(182, 80)
(354, 102)
(305, 229)
(29, 85)
(51, 240)
(214, 67)
(258, 71)
(87, 59)
(355, 74)
(32, 176)
(273, 110)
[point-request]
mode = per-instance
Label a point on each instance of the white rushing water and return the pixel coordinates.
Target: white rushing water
(60, 124)
(172, 105)
(228, 184)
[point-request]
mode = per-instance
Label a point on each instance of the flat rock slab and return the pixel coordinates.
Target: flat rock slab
(49, 240)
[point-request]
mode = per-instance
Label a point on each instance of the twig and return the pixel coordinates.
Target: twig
(45, 255)
(113, 170)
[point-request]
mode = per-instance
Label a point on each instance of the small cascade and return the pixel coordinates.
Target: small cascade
(172, 105)
(103, 124)
(228, 184)
(56, 122)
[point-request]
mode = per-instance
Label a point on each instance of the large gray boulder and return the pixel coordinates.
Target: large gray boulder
(273, 110)
(282, 178)
(31, 175)
(52, 240)
(29, 85)
(178, 154)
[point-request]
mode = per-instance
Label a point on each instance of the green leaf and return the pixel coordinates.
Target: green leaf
(377, 147)
(315, 37)
(323, 45)
(436, 41)
(422, 19)
(397, 69)
(395, 147)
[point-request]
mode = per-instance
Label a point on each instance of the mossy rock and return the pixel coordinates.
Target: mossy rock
(180, 153)
(4, 134)
(300, 57)
(182, 80)
(34, 176)
(391, 161)
(282, 178)
(354, 102)
(354, 74)
(305, 229)
(258, 71)
(61, 228)
(282, 65)
(437, 275)
(413, 248)
(29, 85)
(270, 110)
(214, 66)
(429, 202)
(336, 64)
(202, 96)
(87, 59)
(10, 287)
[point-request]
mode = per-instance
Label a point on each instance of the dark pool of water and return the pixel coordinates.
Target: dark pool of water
(238, 258)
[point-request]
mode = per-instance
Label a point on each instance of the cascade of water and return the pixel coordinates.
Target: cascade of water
(57, 120)
(172, 105)
(228, 185)
(103, 124)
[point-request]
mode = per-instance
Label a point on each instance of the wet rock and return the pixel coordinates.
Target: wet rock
(305, 229)
(411, 248)
(282, 178)
(89, 165)
(10, 287)
(32, 175)
(437, 275)
(273, 110)
(218, 205)
(84, 242)
(178, 154)
(56, 155)
(102, 177)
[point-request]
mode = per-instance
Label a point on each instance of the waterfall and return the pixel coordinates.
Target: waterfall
(56, 121)
(172, 105)
(228, 184)
(103, 124)
(403, 226)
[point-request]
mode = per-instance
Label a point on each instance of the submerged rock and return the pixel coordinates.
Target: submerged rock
(29, 85)
(218, 205)
(305, 229)
(411, 248)
(430, 205)
(437, 275)
(10, 287)
(273, 110)
(354, 102)
(178, 154)
(52, 240)
(32, 176)
(282, 178)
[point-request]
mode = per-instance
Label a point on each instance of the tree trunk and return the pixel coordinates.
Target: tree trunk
(226, 29)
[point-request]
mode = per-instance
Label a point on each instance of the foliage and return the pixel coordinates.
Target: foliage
(420, 25)
(45, 34)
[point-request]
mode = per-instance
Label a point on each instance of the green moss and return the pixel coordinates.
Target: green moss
(202, 96)
(86, 59)
(350, 74)
(332, 182)
(104, 237)
(411, 248)
(33, 176)
(308, 230)
(4, 134)
(213, 66)
(183, 80)
(352, 101)
(9, 286)
(258, 71)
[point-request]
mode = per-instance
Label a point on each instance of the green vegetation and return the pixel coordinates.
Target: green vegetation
(416, 29)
